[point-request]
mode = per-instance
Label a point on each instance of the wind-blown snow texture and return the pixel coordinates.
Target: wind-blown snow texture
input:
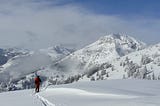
(98, 93)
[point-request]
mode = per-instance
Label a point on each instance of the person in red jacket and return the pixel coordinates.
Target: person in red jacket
(37, 81)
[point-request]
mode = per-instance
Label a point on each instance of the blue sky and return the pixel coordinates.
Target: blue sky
(36, 24)
(124, 8)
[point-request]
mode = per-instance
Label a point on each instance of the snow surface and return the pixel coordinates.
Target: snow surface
(98, 93)
(19, 98)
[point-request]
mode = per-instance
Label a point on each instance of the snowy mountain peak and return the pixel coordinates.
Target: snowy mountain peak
(122, 44)
(62, 50)
(102, 51)
(121, 38)
(114, 36)
(57, 52)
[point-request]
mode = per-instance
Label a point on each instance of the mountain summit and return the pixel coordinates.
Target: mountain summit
(122, 44)
(110, 46)
(103, 50)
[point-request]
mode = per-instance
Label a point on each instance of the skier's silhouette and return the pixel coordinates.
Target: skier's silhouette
(37, 81)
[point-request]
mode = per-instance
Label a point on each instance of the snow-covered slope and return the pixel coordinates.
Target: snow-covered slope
(91, 62)
(99, 93)
(105, 49)
(8, 53)
(24, 65)
(143, 64)
(57, 52)
(108, 47)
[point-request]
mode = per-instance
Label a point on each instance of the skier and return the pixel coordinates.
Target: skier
(37, 81)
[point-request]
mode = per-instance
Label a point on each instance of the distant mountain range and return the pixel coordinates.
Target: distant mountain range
(114, 56)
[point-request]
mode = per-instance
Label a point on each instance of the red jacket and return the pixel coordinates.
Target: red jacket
(37, 80)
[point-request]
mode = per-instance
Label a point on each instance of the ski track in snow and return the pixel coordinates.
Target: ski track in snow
(44, 101)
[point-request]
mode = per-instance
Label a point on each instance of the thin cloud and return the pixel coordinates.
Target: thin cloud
(34, 25)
